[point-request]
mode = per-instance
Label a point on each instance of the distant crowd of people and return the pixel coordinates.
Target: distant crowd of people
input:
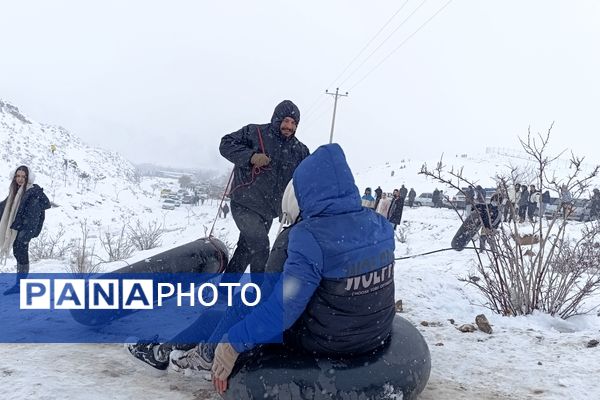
(389, 207)
(523, 203)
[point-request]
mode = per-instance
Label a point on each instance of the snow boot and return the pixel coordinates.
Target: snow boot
(22, 272)
(200, 358)
(150, 352)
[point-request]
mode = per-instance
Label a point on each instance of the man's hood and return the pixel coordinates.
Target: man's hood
(285, 109)
(324, 184)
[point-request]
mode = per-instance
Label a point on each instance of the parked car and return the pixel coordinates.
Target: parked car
(551, 207)
(169, 204)
(187, 199)
(425, 199)
(580, 210)
(460, 201)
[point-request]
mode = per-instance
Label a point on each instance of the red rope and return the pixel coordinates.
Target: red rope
(220, 205)
(255, 172)
(222, 264)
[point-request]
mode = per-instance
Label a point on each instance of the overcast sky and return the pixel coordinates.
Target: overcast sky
(163, 81)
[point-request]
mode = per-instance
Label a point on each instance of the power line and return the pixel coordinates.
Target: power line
(369, 43)
(320, 101)
(315, 104)
(401, 44)
(382, 43)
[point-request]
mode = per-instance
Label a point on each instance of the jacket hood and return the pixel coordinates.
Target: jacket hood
(324, 184)
(30, 176)
(285, 109)
(289, 206)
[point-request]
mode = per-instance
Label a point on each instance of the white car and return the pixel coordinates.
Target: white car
(169, 204)
(425, 199)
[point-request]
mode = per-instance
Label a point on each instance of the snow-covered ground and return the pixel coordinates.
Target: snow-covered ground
(525, 357)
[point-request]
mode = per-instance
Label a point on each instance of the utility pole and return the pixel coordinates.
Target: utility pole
(336, 95)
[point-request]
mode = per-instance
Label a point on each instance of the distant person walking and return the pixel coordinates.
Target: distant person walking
(225, 210)
(395, 211)
(378, 193)
(534, 199)
(22, 216)
(511, 208)
(367, 200)
(523, 203)
(544, 203)
(435, 198)
(411, 197)
(384, 205)
(566, 201)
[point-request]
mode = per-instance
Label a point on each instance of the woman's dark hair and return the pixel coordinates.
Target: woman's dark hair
(13, 185)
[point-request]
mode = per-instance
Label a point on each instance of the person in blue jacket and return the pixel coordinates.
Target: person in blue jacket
(336, 292)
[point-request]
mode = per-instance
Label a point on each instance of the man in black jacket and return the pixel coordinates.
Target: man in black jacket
(265, 157)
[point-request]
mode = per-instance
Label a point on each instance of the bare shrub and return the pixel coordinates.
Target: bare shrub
(50, 246)
(82, 256)
(553, 273)
(117, 247)
(145, 237)
(401, 235)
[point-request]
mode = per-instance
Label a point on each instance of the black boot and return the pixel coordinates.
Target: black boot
(22, 272)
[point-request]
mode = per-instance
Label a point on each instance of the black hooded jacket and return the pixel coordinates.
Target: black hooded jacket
(262, 192)
(31, 213)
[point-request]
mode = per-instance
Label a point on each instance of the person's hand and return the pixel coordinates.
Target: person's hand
(260, 160)
(225, 357)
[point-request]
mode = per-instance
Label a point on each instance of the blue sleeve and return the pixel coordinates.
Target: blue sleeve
(300, 278)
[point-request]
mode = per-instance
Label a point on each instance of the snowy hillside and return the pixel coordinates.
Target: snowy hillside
(478, 168)
(83, 183)
(24, 141)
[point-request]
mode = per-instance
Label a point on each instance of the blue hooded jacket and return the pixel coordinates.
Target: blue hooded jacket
(337, 285)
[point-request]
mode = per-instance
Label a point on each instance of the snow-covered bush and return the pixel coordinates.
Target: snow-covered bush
(539, 265)
(145, 237)
(47, 246)
(117, 246)
(83, 256)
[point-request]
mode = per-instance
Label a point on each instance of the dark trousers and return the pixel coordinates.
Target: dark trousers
(531, 207)
(21, 251)
(253, 244)
(522, 212)
(508, 210)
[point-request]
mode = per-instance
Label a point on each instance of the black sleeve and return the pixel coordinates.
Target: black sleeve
(278, 253)
(32, 220)
(238, 147)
